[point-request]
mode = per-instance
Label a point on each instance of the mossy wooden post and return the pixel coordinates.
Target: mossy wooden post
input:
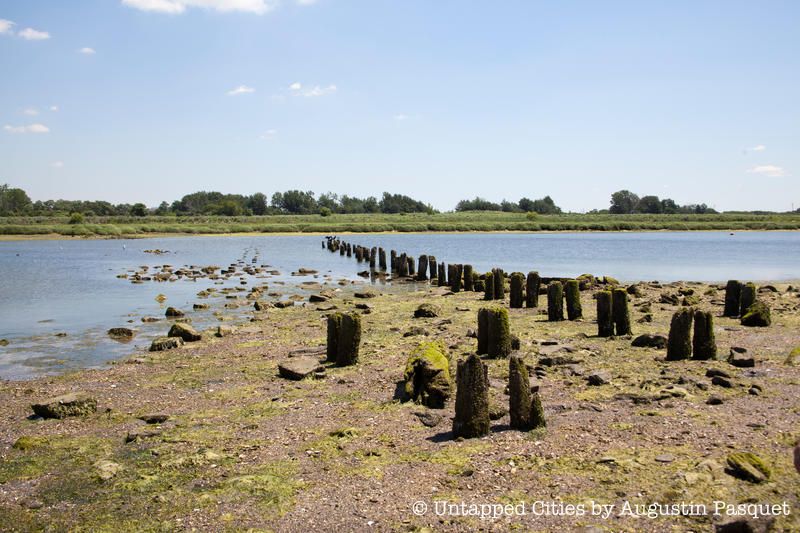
(433, 267)
(422, 268)
(532, 284)
(469, 284)
(455, 278)
(488, 283)
(441, 277)
(498, 342)
(483, 331)
(622, 316)
(499, 279)
(605, 320)
(519, 392)
(555, 301)
(515, 292)
(373, 258)
(349, 340)
(733, 292)
(704, 345)
(343, 249)
(410, 261)
(402, 266)
(679, 343)
(334, 326)
(393, 260)
(747, 298)
(572, 291)
(382, 259)
(349, 250)
(472, 399)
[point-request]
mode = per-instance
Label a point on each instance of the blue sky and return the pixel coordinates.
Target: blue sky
(145, 100)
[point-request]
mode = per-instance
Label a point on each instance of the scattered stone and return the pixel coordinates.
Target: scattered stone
(366, 294)
(665, 458)
(722, 382)
(748, 466)
(427, 375)
(711, 372)
(123, 334)
(650, 341)
(298, 368)
(200, 307)
(714, 400)
(174, 313)
(429, 419)
(185, 332)
(73, 404)
(763, 524)
(154, 419)
(427, 310)
(165, 343)
(415, 331)
(318, 298)
(740, 358)
(596, 379)
(283, 304)
(262, 306)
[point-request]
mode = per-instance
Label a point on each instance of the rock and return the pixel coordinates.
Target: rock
(318, 298)
(415, 331)
(154, 419)
(3, 342)
(665, 458)
(763, 524)
(429, 419)
(283, 304)
(200, 307)
(365, 294)
(142, 433)
(497, 411)
(714, 400)
(123, 334)
(797, 457)
(363, 306)
(670, 299)
(711, 372)
(73, 404)
(106, 470)
(650, 341)
(223, 331)
(298, 368)
(748, 466)
(174, 313)
(427, 375)
(740, 358)
(150, 319)
(262, 306)
(755, 390)
(165, 343)
(722, 382)
(427, 311)
(596, 379)
(758, 315)
(185, 332)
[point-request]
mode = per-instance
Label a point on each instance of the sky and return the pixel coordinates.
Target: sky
(148, 100)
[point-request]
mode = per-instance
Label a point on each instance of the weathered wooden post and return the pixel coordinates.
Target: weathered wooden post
(679, 343)
(472, 399)
(515, 291)
(532, 284)
(573, 296)
(469, 284)
(605, 320)
(704, 345)
(619, 307)
(555, 301)
(733, 292)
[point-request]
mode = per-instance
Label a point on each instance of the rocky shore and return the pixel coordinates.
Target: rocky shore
(252, 428)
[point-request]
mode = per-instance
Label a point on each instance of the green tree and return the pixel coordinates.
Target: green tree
(649, 204)
(623, 202)
(139, 210)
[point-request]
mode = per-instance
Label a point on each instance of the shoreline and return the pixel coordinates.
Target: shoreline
(160, 235)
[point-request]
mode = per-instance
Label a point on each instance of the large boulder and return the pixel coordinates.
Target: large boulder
(73, 404)
(185, 332)
(650, 341)
(427, 375)
(173, 313)
(426, 311)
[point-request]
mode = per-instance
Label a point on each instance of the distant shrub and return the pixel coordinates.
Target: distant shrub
(76, 218)
(531, 215)
(325, 212)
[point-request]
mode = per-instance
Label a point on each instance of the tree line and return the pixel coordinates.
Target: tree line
(16, 202)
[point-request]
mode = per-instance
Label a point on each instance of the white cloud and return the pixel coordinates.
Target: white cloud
(758, 148)
(318, 91)
(241, 89)
(305, 2)
(400, 117)
(296, 86)
(31, 112)
(87, 51)
(29, 34)
(32, 128)
(259, 7)
(5, 26)
(268, 135)
(57, 164)
(770, 171)
(54, 108)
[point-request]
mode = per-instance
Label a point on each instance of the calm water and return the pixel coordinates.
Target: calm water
(57, 287)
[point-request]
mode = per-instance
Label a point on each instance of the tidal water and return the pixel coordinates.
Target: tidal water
(58, 298)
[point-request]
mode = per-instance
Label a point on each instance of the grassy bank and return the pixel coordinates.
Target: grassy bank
(373, 223)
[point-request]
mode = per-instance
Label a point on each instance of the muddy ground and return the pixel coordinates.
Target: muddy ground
(244, 449)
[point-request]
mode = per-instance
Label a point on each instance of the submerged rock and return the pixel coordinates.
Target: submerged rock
(121, 333)
(73, 404)
(185, 332)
